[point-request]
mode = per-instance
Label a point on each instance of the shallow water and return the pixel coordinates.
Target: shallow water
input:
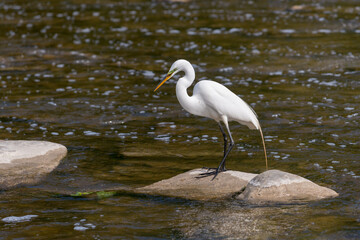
(82, 74)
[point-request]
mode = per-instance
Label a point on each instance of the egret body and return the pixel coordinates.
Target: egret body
(213, 100)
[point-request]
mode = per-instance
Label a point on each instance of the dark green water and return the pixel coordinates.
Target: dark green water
(82, 73)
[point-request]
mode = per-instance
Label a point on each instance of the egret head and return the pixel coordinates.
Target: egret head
(178, 66)
(173, 70)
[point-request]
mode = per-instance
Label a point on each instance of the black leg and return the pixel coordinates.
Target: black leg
(225, 144)
(221, 167)
(225, 147)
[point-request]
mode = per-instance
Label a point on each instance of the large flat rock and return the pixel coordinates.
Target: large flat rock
(276, 186)
(188, 186)
(272, 186)
(27, 162)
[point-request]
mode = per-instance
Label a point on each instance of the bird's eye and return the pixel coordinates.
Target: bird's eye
(172, 71)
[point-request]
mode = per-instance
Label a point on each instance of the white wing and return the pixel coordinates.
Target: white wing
(217, 101)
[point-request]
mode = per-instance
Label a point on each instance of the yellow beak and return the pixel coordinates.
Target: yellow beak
(163, 81)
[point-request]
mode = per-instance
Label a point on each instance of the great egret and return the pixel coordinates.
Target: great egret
(213, 100)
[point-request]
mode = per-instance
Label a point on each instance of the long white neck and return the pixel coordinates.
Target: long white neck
(186, 101)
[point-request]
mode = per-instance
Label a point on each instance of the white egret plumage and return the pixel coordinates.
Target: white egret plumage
(213, 100)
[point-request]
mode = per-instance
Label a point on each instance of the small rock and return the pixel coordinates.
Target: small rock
(27, 162)
(187, 186)
(297, 7)
(281, 187)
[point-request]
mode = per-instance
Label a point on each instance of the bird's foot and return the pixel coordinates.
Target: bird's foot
(208, 169)
(214, 169)
(211, 172)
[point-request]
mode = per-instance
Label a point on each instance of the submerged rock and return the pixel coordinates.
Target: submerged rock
(27, 162)
(281, 187)
(188, 186)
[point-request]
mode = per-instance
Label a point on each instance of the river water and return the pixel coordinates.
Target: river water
(82, 73)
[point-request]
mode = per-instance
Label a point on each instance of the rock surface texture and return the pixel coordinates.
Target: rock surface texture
(188, 186)
(272, 186)
(27, 162)
(276, 186)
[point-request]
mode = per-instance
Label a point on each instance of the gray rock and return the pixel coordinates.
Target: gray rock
(187, 186)
(27, 162)
(281, 187)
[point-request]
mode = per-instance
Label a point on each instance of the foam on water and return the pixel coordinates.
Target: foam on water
(83, 226)
(15, 219)
(91, 133)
